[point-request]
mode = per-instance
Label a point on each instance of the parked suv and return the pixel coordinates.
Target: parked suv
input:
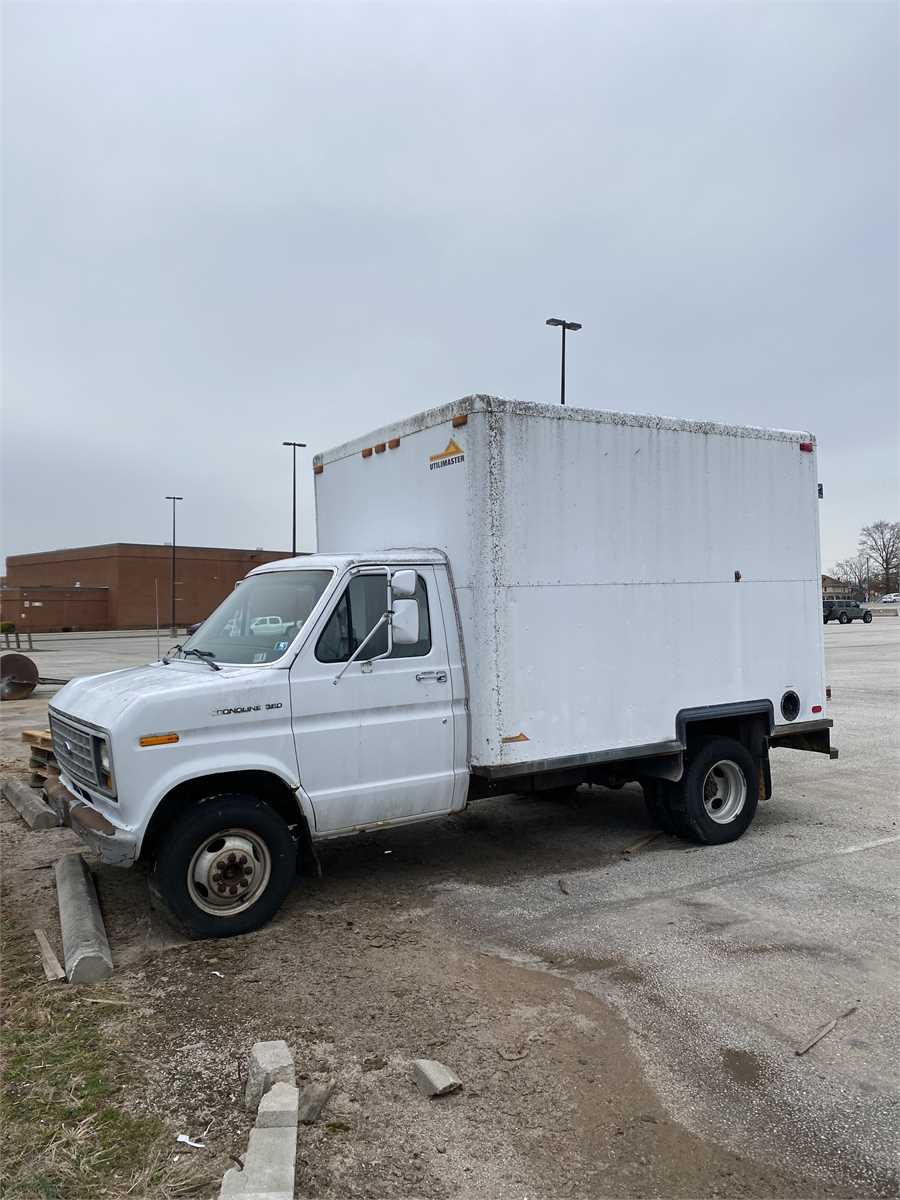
(845, 611)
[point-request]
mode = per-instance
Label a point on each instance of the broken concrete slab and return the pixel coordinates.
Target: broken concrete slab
(433, 1078)
(313, 1099)
(33, 811)
(278, 1107)
(86, 949)
(268, 1165)
(270, 1063)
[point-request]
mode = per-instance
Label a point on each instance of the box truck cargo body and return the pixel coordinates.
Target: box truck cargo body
(611, 571)
(506, 597)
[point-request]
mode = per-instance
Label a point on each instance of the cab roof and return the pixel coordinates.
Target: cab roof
(340, 562)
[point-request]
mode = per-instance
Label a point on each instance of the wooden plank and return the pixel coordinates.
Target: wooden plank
(51, 964)
(38, 737)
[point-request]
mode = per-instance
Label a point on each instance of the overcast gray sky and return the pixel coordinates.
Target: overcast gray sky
(226, 225)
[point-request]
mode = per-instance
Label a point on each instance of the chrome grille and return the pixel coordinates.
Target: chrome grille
(74, 751)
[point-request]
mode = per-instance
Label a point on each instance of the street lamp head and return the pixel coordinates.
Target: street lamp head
(573, 325)
(174, 497)
(301, 444)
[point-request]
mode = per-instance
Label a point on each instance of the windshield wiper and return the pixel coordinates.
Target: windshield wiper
(206, 656)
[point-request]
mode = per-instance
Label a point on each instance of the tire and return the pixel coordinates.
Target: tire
(867, 618)
(844, 619)
(657, 803)
(224, 867)
(718, 794)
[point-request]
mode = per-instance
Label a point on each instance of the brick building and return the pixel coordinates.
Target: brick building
(115, 586)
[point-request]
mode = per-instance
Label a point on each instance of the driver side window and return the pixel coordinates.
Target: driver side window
(358, 610)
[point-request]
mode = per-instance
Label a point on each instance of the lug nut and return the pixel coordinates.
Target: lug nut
(231, 858)
(248, 870)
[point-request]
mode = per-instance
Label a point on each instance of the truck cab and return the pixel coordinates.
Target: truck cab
(245, 740)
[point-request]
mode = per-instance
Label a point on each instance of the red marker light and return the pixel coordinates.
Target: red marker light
(817, 708)
(806, 447)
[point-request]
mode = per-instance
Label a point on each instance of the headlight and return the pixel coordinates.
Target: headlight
(104, 766)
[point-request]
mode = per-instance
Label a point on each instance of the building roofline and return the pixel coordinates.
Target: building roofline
(75, 550)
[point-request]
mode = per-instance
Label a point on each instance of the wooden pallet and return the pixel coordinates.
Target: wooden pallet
(38, 737)
(42, 762)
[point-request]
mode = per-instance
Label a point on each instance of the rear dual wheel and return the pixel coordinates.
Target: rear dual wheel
(715, 800)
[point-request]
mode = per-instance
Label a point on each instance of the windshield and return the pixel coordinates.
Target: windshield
(261, 617)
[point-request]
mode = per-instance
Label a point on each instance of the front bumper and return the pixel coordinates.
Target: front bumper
(113, 845)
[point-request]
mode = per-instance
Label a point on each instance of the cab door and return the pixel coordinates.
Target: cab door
(376, 747)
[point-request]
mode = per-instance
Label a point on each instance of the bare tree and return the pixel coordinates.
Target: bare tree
(852, 572)
(880, 542)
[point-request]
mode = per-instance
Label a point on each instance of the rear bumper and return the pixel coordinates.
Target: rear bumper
(115, 846)
(805, 735)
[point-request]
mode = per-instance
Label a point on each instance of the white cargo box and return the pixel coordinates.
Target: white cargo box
(611, 570)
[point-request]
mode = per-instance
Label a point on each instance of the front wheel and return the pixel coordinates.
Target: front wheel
(224, 867)
(717, 797)
(867, 618)
(844, 619)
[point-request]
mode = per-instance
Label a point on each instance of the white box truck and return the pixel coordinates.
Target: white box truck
(506, 598)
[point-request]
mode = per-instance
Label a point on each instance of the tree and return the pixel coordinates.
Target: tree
(852, 572)
(880, 542)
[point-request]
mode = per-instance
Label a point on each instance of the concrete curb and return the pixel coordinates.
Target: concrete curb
(85, 946)
(30, 808)
(270, 1161)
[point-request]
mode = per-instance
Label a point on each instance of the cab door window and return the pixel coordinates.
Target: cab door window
(359, 609)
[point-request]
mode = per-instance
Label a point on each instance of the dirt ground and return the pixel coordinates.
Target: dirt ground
(359, 976)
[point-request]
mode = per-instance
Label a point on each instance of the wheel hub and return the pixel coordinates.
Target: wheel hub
(724, 791)
(229, 871)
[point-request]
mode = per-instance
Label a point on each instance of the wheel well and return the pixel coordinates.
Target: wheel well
(751, 729)
(268, 787)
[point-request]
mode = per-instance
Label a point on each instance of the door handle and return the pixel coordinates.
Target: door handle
(437, 676)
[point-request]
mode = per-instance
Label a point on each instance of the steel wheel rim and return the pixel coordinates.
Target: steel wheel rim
(724, 791)
(229, 872)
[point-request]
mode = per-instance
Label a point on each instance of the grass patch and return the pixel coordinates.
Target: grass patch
(67, 1131)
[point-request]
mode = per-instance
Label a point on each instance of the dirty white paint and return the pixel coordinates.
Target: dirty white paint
(594, 556)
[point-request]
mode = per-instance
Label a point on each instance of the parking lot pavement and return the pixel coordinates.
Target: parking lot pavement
(725, 960)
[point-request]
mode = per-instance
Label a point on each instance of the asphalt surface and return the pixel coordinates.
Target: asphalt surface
(725, 960)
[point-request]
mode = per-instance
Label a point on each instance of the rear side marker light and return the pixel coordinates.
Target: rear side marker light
(817, 708)
(461, 420)
(159, 739)
(806, 447)
(318, 468)
(393, 443)
(367, 453)
(379, 447)
(828, 692)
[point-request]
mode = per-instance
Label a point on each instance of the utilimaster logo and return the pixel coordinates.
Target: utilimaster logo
(447, 458)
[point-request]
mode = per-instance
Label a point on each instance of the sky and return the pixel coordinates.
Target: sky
(229, 225)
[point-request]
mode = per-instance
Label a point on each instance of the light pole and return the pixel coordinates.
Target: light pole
(294, 446)
(564, 325)
(173, 499)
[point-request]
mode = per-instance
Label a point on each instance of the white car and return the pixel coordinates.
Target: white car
(891, 598)
(269, 626)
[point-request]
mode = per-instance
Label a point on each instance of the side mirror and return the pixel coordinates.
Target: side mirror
(403, 586)
(406, 621)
